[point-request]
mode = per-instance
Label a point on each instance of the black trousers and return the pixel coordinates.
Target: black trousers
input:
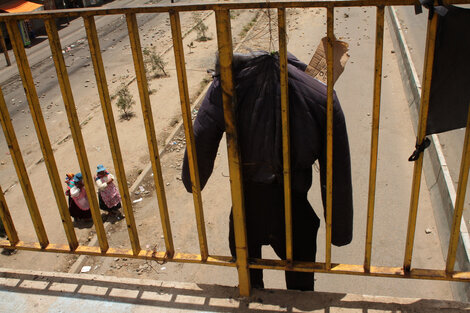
(265, 222)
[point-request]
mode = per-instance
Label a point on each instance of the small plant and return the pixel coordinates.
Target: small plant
(154, 64)
(190, 46)
(248, 26)
(234, 15)
(125, 102)
(201, 29)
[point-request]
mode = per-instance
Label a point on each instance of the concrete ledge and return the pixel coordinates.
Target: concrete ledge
(435, 168)
(22, 290)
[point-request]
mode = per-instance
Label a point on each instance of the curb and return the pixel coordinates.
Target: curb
(436, 172)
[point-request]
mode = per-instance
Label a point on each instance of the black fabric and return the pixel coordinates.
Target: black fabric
(429, 4)
(450, 92)
(419, 149)
(258, 107)
(3, 232)
(105, 208)
(76, 212)
(264, 206)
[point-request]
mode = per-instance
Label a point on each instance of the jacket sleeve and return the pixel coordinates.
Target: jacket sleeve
(208, 130)
(74, 192)
(110, 178)
(100, 185)
(342, 206)
(292, 59)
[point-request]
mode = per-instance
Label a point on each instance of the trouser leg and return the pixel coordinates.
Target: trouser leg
(254, 251)
(305, 224)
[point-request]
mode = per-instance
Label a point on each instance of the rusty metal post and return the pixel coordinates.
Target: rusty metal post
(113, 139)
(421, 135)
(329, 134)
(150, 130)
(4, 48)
(285, 131)
(224, 41)
(188, 130)
(460, 201)
(379, 40)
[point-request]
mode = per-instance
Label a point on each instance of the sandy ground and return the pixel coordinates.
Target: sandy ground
(354, 88)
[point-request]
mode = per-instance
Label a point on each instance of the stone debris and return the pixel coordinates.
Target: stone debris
(141, 190)
(177, 144)
(137, 200)
(85, 269)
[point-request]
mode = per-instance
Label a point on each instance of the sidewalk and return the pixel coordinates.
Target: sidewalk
(26, 291)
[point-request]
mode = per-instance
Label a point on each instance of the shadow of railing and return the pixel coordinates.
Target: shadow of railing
(201, 297)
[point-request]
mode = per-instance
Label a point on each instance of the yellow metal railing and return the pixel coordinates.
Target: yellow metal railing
(243, 263)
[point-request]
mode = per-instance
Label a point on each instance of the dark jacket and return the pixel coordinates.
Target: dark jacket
(260, 134)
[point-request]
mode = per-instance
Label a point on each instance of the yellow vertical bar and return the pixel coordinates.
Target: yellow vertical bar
(224, 42)
(7, 220)
(379, 40)
(4, 48)
(43, 136)
(150, 130)
(70, 109)
(188, 129)
(34, 105)
(21, 172)
(103, 92)
(285, 130)
(72, 117)
(460, 200)
(329, 133)
(423, 116)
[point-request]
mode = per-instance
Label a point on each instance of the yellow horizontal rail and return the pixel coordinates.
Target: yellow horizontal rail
(297, 266)
(239, 5)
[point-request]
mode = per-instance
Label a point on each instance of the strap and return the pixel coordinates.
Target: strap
(419, 148)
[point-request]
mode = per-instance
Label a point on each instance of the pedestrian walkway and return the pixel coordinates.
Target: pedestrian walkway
(27, 291)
